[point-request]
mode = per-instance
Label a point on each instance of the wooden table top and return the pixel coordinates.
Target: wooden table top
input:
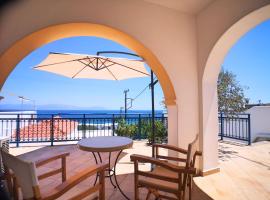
(105, 143)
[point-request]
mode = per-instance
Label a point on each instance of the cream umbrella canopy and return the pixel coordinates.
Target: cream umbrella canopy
(92, 66)
(99, 67)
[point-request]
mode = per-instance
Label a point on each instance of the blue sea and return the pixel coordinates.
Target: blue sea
(96, 113)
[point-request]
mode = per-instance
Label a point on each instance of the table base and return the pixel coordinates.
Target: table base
(111, 171)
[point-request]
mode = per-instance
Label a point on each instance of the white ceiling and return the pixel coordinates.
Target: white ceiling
(187, 6)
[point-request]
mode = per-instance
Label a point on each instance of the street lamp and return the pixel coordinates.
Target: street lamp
(22, 98)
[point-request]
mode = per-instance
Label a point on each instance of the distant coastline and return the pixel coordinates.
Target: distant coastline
(88, 113)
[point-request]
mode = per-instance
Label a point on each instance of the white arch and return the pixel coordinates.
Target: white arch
(211, 71)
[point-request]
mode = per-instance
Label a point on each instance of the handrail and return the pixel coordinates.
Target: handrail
(37, 128)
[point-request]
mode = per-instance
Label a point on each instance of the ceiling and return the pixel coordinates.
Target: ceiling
(187, 6)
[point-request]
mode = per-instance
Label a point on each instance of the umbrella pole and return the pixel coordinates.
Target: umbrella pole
(125, 92)
(153, 111)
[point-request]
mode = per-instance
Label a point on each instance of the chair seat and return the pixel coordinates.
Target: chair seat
(157, 183)
(69, 194)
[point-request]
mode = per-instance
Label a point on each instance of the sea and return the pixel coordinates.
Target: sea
(97, 113)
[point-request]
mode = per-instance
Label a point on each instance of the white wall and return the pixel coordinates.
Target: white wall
(181, 42)
(259, 121)
(8, 121)
(219, 26)
(169, 34)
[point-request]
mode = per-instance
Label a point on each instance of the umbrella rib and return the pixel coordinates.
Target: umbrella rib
(56, 63)
(111, 73)
(79, 71)
(91, 62)
(87, 65)
(104, 65)
(103, 61)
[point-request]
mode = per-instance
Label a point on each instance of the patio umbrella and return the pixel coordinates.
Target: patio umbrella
(92, 66)
(98, 67)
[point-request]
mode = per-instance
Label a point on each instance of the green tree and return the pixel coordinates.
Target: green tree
(160, 131)
(125, 129)
(231, 97)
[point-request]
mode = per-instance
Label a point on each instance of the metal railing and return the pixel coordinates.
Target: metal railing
(72, 127)
(235, 126)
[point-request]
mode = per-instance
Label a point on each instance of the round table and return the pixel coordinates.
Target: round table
(108, 144)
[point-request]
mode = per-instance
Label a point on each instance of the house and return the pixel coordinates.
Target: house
(40, 130)
(259, 122)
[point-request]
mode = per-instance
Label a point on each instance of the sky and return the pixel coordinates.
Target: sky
(248, 59)
(50, 89)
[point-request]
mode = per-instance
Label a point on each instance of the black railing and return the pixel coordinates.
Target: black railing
(235, 126)
(29, 128)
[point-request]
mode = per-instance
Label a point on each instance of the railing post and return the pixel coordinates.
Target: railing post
(18, 130)
(113, 125)
(84, 126)
(222, 126)
(249, 130)
(52, 130)
(140, 127)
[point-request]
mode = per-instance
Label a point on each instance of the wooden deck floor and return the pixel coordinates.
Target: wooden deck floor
(245, 171)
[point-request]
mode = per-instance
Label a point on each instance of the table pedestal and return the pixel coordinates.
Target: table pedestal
(111, 171)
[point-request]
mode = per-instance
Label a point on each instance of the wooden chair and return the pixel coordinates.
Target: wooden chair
(21, 176)
(169, 178)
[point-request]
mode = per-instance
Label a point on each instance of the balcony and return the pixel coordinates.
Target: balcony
(244, 171)
(241, 166)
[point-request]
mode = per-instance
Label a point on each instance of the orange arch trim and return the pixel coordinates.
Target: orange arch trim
(11, 57)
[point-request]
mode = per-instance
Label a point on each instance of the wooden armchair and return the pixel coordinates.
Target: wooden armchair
(166, 177)
(21, 174)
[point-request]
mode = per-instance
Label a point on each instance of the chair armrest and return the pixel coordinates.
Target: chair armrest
(73, 181)
(147, 159)
(171, 147)
(50, 159)
(198, 153)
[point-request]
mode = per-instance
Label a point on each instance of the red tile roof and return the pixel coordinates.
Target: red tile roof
(62, 128)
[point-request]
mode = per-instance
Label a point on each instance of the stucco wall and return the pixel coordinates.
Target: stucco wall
(183, 44)
(219, 26)
(169, 34)
(259, 121)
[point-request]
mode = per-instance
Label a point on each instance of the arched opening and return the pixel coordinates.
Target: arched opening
(23, 47)
(210, 76)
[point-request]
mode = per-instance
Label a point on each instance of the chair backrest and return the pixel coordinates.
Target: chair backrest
(192, 149)
(24, 171)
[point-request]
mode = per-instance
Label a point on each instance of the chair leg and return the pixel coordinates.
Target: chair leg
(148, 194)
(183, 196)
(190, 187)
(102, 183)
(154, 192)
(136, 183)
(136, 192)
(9, 180)
(15, 189)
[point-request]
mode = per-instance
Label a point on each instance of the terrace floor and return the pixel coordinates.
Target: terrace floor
(245, 171)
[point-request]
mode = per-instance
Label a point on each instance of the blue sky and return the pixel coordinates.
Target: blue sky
(249, 59)
(47, 88)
